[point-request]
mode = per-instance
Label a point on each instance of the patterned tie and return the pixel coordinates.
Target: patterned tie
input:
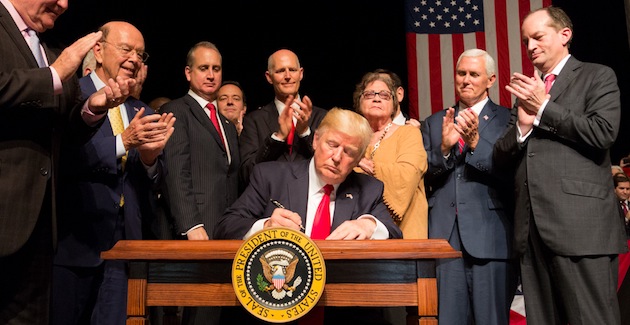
(460, 142)
(215, 121)
(624, 205)
(321, 225)
(33, 43)
(549, 81)
(290, 138)
(118, 126)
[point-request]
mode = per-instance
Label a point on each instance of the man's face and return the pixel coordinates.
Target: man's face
(120, 54)
(546, 46)
(230, 102)
(623, 190)
(206, 73)
(472, 80)
(40, 15)
(285, 75)
(336, 154)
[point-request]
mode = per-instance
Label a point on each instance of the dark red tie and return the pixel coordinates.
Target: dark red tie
(290, 137)
(460, 144)
(549, 81)
(215, 121)
(624, 205)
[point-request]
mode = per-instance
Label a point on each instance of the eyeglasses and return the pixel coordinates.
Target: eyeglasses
(126, 51)
(383, 94)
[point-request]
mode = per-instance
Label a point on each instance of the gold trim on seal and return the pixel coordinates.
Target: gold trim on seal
(278, 275)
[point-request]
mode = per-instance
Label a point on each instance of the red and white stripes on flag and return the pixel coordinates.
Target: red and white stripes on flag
(439, 31)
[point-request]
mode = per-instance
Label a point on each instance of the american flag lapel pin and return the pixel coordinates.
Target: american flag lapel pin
(136, 109)
(349, 196)
(485, 117)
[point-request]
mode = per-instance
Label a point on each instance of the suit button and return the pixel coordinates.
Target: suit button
(525, 183)
(43, 171)
(531, 154)
(452, 204)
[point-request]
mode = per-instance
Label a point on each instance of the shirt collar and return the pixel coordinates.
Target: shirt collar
(15, 15)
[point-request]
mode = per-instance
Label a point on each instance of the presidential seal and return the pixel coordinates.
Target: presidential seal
(278, 275)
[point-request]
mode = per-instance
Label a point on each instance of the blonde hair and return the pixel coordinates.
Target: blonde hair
(348, 122)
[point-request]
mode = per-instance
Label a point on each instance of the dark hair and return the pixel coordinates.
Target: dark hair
(559, 19)
(620, 178)
(237, 84)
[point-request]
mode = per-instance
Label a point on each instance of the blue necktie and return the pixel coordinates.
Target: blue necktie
(33, 43)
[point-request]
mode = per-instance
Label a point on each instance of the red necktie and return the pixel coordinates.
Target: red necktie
(321, 230)
(460, 144)
(624, 205)
(290, 137)
(549, 81)
(215, 121)
(321, 225)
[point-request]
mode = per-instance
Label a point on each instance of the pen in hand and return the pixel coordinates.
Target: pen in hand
(279, 205)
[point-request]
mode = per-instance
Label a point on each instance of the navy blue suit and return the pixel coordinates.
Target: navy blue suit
(287, 182)
(470, 206)
(90, 220)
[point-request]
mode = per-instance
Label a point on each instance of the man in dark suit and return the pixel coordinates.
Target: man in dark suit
(94, 176)
(202, 159)
(567, 227)
(267, 132)
(359, 211)
(469, 204)
(39, 106)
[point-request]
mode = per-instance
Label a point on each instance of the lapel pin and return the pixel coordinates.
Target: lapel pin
(348, 195)
(485, 117)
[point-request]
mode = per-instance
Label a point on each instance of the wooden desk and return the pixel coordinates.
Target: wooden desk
(370, 273)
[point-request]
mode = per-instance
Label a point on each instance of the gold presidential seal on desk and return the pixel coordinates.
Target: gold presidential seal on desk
(278, 274)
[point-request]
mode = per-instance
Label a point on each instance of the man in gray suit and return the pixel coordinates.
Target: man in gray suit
(469, 204)
(39, 107)
(567, 227)
(201, 158)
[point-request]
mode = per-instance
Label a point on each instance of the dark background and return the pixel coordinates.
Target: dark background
(336, 41)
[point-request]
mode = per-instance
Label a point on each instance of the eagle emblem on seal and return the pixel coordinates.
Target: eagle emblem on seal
(279, 269)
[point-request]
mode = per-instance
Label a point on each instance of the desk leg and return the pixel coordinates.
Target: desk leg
(427, 301)
(137, 294)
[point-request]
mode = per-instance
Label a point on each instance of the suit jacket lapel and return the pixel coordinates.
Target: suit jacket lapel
(488, 112)
(565, 78)
(16, 36)
(298, 189)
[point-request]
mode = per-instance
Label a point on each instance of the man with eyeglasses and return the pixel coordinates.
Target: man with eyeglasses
(105, 189)
(272, 132)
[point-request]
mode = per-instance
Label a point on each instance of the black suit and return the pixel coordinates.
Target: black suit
(565, 205)
(33, 122)
(256, 144)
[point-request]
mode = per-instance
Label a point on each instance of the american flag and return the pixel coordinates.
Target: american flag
(438, 31)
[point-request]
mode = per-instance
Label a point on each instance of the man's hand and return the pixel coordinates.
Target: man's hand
(113, 94)
(284, 218)
(467, 126)
(198, 234)
(285, 119)
(450, 136)
(141, 76)
(303, 114)
(150, 150)
(72, 56)
(530, 91)
(362, 228)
